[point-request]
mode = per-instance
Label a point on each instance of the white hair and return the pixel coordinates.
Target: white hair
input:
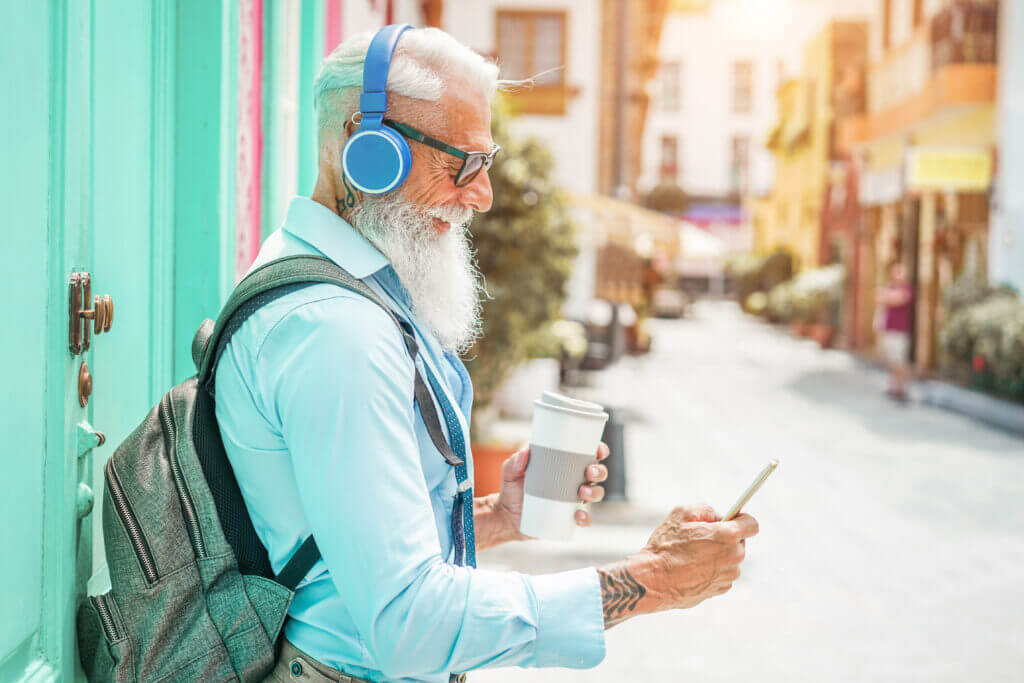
(423, 61)
(437, 270)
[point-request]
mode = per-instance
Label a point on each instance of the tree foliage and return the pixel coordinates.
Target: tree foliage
(667, 198)
(525, 250)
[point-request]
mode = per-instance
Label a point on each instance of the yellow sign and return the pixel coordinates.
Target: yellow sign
(960, 169)
(684, 6)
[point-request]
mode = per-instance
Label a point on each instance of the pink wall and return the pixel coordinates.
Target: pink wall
(249, 167)
(332, 25)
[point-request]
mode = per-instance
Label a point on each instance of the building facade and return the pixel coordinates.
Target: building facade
(594, 61)
(527, 38)
(714, 98)
(925, 151)
(804, 145)
(714, 103)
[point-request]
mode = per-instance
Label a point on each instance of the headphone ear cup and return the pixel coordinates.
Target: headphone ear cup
(376, 160)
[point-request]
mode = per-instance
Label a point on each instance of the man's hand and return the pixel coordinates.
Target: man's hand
(689, 558)
(496, 517)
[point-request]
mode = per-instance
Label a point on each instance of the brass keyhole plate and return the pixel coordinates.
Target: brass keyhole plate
(84, 385)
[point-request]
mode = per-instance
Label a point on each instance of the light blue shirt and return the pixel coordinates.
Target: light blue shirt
(315, 405)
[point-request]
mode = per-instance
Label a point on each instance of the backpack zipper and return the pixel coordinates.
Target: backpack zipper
(131, 524)
(188, 508)
(106, 618)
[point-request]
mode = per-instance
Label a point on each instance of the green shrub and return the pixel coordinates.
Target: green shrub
(983, 343)
(525, 249)
(667, 198)
(756, 273)
(968, 289)
(807, 297)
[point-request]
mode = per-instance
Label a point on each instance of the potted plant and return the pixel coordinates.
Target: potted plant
(525, 250)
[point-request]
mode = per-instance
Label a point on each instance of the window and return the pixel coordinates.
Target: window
(670, 81)
(669, 168)
(742, 87)
(739, 163)
(530, 43)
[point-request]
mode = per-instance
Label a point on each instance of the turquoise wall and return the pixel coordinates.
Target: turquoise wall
(120, 160)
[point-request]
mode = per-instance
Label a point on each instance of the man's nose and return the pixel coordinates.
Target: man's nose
(478, 194)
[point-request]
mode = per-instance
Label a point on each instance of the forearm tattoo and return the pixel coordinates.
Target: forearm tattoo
(620, 593)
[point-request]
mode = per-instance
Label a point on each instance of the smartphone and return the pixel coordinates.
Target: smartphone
(751, 490)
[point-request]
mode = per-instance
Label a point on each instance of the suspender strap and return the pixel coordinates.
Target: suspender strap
(428, 411)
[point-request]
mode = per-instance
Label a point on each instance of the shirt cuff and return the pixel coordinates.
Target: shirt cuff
(570, 619)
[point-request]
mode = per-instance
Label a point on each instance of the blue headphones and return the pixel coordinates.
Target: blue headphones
(377, 159)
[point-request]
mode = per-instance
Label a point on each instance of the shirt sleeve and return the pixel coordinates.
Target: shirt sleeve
(338, 377)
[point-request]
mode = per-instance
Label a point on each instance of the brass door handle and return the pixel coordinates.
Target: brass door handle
(101, 313)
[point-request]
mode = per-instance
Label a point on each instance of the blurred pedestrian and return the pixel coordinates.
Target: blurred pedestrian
(895, 302)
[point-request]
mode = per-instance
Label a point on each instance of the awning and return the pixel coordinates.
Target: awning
(646, 232)
(703, 254)
(700, 244)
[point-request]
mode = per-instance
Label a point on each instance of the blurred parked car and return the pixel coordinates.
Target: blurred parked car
(668, 302)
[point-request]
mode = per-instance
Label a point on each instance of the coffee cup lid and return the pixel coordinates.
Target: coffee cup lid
(557, 400)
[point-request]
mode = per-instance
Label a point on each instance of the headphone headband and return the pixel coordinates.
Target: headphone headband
(374, 99)
(376, 159)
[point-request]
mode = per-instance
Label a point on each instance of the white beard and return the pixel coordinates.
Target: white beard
(437, 270)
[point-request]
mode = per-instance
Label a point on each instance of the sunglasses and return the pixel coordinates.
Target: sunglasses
(472, 162)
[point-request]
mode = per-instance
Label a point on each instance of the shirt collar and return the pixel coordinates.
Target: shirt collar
(332, 235)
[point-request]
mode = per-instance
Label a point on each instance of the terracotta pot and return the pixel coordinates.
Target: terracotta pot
(822, 333)
(799, 328)
(488, 458)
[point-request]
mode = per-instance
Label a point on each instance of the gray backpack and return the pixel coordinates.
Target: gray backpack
(193, 596)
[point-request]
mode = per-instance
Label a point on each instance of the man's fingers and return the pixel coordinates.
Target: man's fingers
(730, 574)
(582, 518)
(597, 473)
(591, 494)
(697, 512)
(746, 525)
(602, 451)
(514, 466)
(739, 551)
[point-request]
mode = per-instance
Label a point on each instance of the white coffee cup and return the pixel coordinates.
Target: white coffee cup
(565, 436)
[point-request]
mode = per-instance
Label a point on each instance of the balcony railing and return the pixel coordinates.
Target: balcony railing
(901, 73)
(964, 33)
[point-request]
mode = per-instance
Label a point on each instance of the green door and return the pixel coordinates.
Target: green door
(46, 187)
(117, 162)
(81, 130)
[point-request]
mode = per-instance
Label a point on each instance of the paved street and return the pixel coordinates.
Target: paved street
(892, 538)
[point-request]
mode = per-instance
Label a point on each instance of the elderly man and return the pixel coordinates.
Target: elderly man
(316, 407)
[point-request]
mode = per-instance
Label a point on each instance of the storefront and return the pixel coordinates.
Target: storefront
(951, 184)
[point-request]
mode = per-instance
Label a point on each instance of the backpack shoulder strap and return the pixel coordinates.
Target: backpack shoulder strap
(270, 277)
(268, 282)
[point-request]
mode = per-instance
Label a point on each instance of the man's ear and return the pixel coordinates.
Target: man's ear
(350, 128)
